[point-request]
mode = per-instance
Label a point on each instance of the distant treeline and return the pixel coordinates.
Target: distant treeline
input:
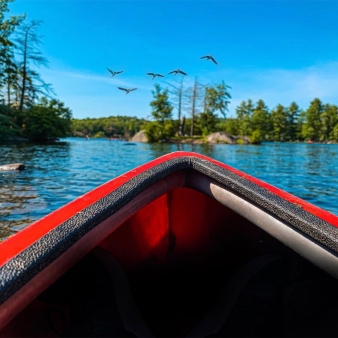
(113, 126)
(319, 122)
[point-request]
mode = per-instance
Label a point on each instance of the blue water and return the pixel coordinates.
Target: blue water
(58, 173)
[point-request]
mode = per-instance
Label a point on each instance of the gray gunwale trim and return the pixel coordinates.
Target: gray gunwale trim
(23, 267)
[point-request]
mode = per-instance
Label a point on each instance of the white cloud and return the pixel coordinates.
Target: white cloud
(283, 86)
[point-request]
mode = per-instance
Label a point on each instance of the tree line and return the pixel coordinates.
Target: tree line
(207, 106)
(110, 127)
(27, 106)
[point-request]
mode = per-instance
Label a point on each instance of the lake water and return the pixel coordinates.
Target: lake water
(58, 173)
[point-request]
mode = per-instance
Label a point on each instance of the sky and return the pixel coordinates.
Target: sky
(278, 51)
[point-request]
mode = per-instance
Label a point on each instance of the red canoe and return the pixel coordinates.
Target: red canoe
(181, 246)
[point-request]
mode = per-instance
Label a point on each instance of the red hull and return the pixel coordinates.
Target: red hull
(180, 211)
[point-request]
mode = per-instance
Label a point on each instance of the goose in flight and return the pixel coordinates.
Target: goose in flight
(209, 57)
(114, 73)
(127, 90)
(154, 75)
(176, 71)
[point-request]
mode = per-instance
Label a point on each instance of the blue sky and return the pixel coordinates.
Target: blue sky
(278, 51)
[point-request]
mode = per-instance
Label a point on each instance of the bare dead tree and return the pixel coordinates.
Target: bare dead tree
(27, 45)
(195, 96)
(178, 95)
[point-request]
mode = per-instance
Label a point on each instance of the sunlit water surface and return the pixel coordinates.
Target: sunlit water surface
(57, 173)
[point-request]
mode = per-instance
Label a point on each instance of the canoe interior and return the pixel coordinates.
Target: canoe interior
(179, 253)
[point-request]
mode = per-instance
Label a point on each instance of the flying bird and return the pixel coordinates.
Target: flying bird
(154, 75)
(114, 73)
(209, 57)
(176, 71)
(127, 90)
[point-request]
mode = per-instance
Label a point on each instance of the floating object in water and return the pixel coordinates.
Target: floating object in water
(12, 166)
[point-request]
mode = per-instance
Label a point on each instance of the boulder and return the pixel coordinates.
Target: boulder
(221, 137)
(140, 137)
(13, 166)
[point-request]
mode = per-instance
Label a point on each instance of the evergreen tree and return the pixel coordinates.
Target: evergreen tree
(260, 121)
(279, 121)
(293, 113)
(329, 119)
(163, 127)
(312, 128)
(244, 113)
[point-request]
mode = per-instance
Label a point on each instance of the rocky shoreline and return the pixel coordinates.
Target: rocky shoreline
(214, 138)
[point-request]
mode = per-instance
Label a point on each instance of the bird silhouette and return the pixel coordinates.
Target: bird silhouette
(209, 57)
(176, 71)
(154, 75)
(127, 90)
(114, 73)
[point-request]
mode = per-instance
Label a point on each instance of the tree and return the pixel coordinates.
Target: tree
(163, 127)
(177, 92)
(47, 120)
(293, 115)
(244, 112)
(260, 121)
(27, 43)
(279, 121)
(312, 127)
(8, 128)
(216, 99)
(329, 119)
(7, 62)
(194, 96)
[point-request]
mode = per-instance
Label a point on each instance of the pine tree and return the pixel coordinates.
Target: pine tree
(163, 127)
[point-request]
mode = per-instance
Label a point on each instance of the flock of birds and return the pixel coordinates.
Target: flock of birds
(154, 75)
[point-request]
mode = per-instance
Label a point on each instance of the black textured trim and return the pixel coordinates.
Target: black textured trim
(22, 268)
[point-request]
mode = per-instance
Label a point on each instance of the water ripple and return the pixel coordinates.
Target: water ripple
(58, 173)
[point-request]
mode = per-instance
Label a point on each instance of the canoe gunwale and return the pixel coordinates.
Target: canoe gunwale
(174, 170)
(292, 237)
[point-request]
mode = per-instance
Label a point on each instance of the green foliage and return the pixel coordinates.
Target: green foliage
(244, 113)
(48, 120)
(157, 132)
(206, 122)
(113, 126)
(294, 121)
(99, 134)
(260, 121)
(279, 121)
(217, 98)
(7, 126)
(256, 137)
(163, 127)
(311, 129)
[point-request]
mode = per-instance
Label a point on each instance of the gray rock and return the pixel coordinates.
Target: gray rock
(140, 137)
(221, 137)
(13, 166)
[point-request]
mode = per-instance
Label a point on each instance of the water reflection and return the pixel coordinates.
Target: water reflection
(58, 173)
